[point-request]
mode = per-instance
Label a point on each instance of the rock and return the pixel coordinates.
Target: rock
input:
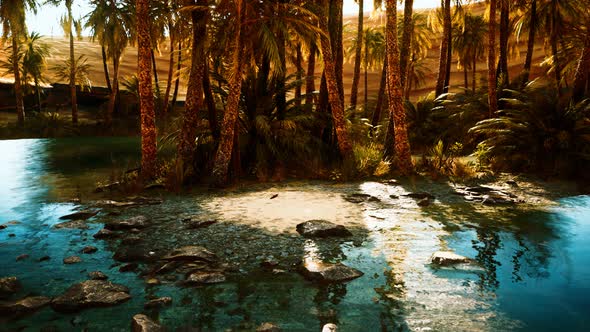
(44, 258)
(133, 254)
(76, 224)
(11, 235)
(268, 327)
(158, 303)
(512, 183)
(80, 215)
(133, 239)
(152, 281)
(97, 275)
(105, 234)
(330, 328)
(446, 258)
(89, 250)
(420, 195)
(321, 228)
(142, 323)
(107, 187)
(424, 202)
(132, 202)
(134, 222)
(22, 257)
(360, 198)
(3, 226)
(9, 223)
(479, 189)
(191, 253)
(269, 263)
(198, 222)
(72, 260)
(202, 277)
(393, 196)
(89, 294)
(391, 182)
(23, 306)
(327, 272)
(128, 267)
(9, 286)
(154, 186)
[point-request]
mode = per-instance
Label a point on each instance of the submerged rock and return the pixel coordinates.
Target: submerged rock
(321, 228)
(22, 257)
(9, 223)
(105, 234)
(89, 294)
(23, 306)
(191, 253)
(198, 222)
(487, 195)
(75, 224)
(72, 260)
(327, 272)
(158, 303)
(268, 327)
(97, 275)
(446, 258)
(360, 198)
(424, 202)
(9, 286)
(129, 267)
(133, 222)
(80, 215)
(107, 187)
(133, 254)
(203, 277)
(89, 250)
(142, 323)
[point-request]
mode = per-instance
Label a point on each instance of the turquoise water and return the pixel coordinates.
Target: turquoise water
(532, 271)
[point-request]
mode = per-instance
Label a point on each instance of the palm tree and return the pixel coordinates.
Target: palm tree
(68, 29)
(334, 94)
(469, 44)
(408, 28)
(528, 20)
(492, 88)
(397, 113)
(12, 16)
(146, 96)
(112, 24)
(34, 62)
(194, 96)
(228, 136)
(444, 47)
(82, 72)
(357, 57)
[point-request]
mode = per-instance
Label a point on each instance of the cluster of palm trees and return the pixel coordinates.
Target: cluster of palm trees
(245, 65)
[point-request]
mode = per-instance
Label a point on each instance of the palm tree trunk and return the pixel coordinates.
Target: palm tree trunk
(365, 110)
(177, 81)
(73, 96)
(115, 91)
(194, 93)
(38, 90)
(299, 74)
(357, 57)
(406, 39)
(447, 84)
(444, 48)
(409, 81)
(170, 72)
(381, 94)
(502, 69)
(281, 95)
(401, 145)
(156, 81)
(473, 73)
(210, 101)
(335, 97)
(582, 71)
(554, 49)
(227, 140)
(106, 68)
(18, 90)
(465, 76)
(492, 90)
(146, 96)
(310, 78)
(531, 42)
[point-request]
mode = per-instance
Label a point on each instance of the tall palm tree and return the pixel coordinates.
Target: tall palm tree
(146, 95)
(401, 144)
(34, 62)
(492, 87)
(69, 30)
(469, 44)
(444, 47)
(528, 21)
(223, 154)
(502, 69)
(194, 96)
(357, 57)
(408, 28)
(334, 94)
(12, 17)
(112, 24)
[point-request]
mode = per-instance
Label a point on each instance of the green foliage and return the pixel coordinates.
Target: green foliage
(82, 72)
(534, 132)
(49, 124)
(368, 160)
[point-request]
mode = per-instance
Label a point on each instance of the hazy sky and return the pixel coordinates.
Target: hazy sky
(46, 21)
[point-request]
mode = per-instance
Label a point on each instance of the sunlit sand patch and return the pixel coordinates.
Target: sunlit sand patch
(284, 212)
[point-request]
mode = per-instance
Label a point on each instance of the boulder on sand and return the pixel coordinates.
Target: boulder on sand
(326, 272)
(446, 258)
(321, 228)
(191, 253)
